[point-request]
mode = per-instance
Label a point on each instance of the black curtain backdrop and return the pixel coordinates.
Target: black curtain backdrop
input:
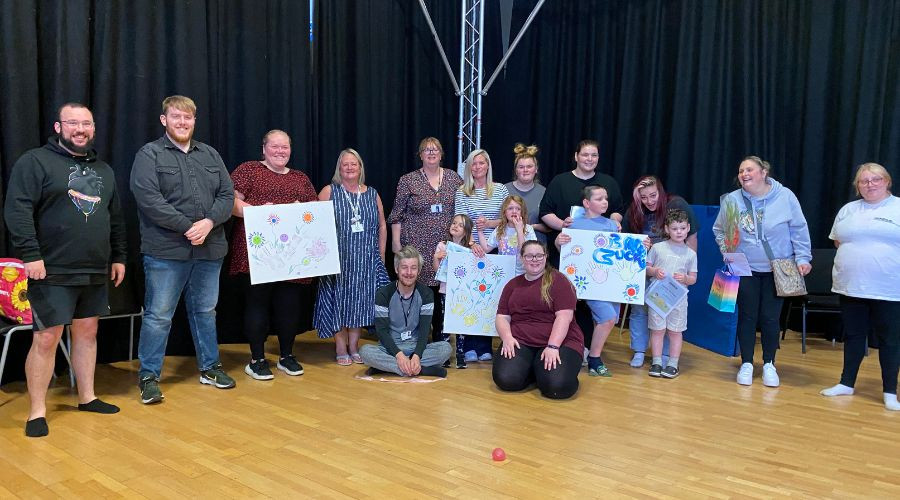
(682, 89)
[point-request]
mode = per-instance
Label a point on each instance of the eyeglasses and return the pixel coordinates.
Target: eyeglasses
(874, 181)
(431, 150)
(533, 257)
(75, 123)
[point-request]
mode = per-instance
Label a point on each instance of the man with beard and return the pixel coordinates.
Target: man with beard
(63, 215)
(184, 194)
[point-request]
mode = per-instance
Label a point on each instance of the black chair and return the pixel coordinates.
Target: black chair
(819, 298)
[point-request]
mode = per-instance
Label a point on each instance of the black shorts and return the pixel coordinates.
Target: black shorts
(53, 305)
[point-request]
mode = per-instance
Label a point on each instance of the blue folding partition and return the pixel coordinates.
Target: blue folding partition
(707, 327)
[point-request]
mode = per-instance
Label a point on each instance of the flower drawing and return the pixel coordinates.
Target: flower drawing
(273, 219)
(308, 217)
(19, 296)
(256, 239)
(570, 269)
(631, 291)
(580, 282)
(577, 250)
(318, 249)
(600, 241)
(497, 273)
(459, 272)
(284, 238)
(481, 286)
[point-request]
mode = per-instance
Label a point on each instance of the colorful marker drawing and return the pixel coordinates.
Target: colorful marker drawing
(605, 266)
(295, 240)
(473, 291)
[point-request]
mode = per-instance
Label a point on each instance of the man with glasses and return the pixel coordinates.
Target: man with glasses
(65, 222)
(184, 194)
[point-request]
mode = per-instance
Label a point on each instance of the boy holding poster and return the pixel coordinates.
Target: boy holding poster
(596, 201)
(671, 257)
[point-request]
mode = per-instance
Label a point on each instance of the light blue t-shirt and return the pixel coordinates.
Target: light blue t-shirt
(596, 224)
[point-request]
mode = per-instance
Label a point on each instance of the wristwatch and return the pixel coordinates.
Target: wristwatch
(551, 346)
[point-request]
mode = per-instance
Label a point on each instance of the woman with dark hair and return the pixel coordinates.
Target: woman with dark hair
(646, 215)
(870, 297)
(541, 343)
(762, 213)
(527, 185)
(275, 306)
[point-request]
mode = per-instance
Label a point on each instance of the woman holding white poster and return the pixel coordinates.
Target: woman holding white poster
(541, 343)
(268, 306)
(346, 301)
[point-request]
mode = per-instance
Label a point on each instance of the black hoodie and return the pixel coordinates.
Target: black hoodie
(63, 209)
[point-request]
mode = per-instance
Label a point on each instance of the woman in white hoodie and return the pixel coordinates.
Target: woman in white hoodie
(762, 202)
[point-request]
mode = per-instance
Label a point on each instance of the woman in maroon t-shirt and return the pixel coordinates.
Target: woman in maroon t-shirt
(541, 343)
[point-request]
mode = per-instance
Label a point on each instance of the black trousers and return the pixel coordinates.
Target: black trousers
(526, 367)
(758, 305)
(272, 308)
(859, 317)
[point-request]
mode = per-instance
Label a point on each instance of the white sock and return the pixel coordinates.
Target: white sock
(837, 390)
(890, 402)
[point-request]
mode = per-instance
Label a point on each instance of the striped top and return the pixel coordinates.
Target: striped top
(479, 205)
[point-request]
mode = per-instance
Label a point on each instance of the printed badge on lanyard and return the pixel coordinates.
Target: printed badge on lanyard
(356, 224)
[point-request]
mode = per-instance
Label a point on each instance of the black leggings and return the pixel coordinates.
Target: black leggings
(526, 367)
(275, 308)
(859, 317)
(758, 305)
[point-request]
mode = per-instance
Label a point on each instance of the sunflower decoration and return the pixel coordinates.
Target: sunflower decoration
(571, 269)
(10, 273)
(20, 296)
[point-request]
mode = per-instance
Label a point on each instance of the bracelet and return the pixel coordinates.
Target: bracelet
(551, 346)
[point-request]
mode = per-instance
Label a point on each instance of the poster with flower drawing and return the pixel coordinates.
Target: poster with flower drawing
(605, 266)
(473, 290)
(294, 240)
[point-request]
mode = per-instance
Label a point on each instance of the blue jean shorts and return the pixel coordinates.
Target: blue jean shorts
(603, 311)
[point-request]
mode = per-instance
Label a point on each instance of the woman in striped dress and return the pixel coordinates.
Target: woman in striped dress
(346, 301)
(480, 198)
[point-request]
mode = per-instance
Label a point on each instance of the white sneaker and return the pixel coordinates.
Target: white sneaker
(770, 376)
(745, 374)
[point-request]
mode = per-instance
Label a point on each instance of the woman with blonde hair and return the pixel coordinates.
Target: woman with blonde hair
(480, 198)
(870, 298)
(346, 301)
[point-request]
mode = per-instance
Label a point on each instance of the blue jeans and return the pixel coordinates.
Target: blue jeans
(640, 334)
(165, 280)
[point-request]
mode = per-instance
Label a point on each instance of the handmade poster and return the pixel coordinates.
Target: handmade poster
(576, 211)
(663, 295)
(724, 290)
(605, 266)
(473, 290)
(441, 273)
(738, 264)
(294, 240)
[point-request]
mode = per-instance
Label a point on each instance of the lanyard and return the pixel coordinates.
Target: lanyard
(440, 179)
(407, 310)
(354, 208)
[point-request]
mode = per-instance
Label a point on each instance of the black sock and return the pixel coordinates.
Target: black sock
(594, 363)
(433, 371)
(37, 427)
(98, 406)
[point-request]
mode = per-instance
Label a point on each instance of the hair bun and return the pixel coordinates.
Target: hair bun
(520, 149)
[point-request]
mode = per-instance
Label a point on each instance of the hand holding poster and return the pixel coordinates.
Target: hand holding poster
(294, 240)
(605, 266)
(663, 295)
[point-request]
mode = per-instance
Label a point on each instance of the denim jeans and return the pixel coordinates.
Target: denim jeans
(640, 333)
(165, 280)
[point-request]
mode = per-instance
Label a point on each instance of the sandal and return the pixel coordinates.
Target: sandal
(356, 358)
(343, 360)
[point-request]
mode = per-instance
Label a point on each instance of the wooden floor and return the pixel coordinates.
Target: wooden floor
(328, 434)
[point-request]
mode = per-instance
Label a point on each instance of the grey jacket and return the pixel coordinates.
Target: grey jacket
(174, 189)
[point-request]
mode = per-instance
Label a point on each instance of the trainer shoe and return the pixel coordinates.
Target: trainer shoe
(461, 362)
(745, 374)
(600, 371)
(770, 376)
(290, 365)
(485, 357)
(471, 357)
(259, 370)
(150, 392)
(637, 360)
(217, 377)
(655, 371)
(670, 372)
